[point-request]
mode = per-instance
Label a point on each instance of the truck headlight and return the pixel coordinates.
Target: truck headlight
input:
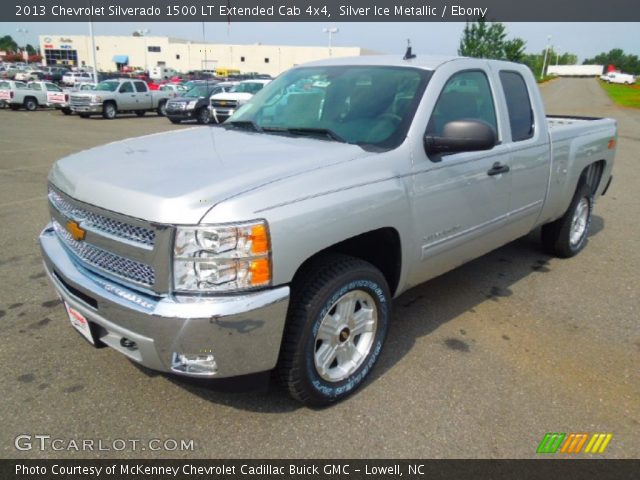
(96, 99)
(192, 104)
(222, 258)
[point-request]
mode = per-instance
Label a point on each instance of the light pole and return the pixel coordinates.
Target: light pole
(143, 33)
(546, 54)
(330, 31)
(24, 32)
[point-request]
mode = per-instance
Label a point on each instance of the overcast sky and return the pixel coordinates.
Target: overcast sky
(583, 39)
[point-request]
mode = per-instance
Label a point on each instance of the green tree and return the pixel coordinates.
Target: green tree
(8, 44)
(482, 39)
(626, 62)
(31, 50)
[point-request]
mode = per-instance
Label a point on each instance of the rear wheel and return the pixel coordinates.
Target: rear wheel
(109, 110)
(30, 104)
(162, 109)
(336, 326)
(567, 236)
(66, 111)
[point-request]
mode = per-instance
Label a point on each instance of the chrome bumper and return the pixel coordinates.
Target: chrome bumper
(91, 108)
(243, 332)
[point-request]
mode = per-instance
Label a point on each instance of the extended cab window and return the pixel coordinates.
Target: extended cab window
(126, 88)
(35, 86)
(466, 95)
(518, 106)
(53, 88)
(141, 87)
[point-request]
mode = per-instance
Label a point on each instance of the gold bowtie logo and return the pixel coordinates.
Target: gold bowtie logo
(76, 232)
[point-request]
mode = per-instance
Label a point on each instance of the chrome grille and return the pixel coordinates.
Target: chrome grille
(101, 223)
(109, 262)
(224, 103)
(78, 101)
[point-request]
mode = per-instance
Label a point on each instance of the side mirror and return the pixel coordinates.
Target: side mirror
(462, 136)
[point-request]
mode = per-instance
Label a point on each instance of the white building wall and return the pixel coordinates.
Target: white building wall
(183, 55)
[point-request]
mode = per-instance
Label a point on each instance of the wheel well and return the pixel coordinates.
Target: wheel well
(379, 247)
(30, 98)
(592, 175)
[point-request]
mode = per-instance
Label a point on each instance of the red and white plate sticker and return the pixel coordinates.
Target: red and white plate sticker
(80, 323)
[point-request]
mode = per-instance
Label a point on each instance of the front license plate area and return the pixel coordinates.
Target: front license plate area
(80, 323)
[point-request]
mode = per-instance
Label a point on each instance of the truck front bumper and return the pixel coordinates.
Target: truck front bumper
(242, 332)
(91, 108)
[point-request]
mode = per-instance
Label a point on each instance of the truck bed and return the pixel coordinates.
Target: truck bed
(568, 127)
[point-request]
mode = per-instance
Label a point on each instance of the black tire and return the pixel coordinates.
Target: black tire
(84, 115)
(14, 107)
(203, 117)
(315, 292)
(140, 113)
(175, 120)
(31, 104)
(557, 236)
(109, 110)
(66, 111)
(162, 109)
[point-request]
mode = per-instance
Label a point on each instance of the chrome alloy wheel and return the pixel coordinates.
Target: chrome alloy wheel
(579, 222)
(345, 336)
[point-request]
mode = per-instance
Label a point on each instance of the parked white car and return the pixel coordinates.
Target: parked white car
(36, 94)
(174, 90)
(29, 75)
(223, 105)
(72, 79)
(619, 77)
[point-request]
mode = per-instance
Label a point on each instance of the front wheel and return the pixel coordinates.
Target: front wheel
(567, 236)
(203, 116)
(336, 327)
(109, 111)
(162, 109)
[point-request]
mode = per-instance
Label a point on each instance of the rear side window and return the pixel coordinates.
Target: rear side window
(126, 88)
(141, 87)
(35, 86)
(518, 105)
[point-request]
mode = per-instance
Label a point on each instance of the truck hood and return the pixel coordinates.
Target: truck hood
(232, 96)
(176, 177)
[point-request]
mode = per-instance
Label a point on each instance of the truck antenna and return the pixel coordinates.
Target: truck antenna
(408, 55)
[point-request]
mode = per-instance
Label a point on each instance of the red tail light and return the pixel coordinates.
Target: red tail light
(66, 97)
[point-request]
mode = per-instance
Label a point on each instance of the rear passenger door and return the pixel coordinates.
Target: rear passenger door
(460, 202)
(529, 148)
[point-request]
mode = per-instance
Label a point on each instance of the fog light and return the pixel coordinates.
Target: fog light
(203, 364)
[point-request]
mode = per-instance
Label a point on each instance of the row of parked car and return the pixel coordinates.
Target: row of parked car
(199, 100)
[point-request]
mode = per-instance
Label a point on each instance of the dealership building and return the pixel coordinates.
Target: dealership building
(115, 52)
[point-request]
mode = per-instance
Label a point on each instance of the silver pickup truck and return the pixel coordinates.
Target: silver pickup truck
(110, 97)
(279, 239)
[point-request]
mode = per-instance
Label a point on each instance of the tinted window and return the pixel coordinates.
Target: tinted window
(465, 96)
(53, 88)
(126, 88)
(518, 105)
(141, 87)
(35, 86)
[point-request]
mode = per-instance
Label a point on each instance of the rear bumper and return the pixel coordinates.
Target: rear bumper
(243, 332)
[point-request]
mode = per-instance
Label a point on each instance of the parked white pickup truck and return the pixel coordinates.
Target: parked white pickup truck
(223, 105)
(7, 88)
(36, 94)
(119, 95)
(279, 240)
(619, 77)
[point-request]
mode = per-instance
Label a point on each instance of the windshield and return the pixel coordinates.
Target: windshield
(199, 91)
(365, 105)
(106, 86)
(249, 87)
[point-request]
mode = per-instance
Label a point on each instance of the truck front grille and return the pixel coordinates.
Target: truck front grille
(101, 223)
(224, 104)
(105, 261)
(79, 101)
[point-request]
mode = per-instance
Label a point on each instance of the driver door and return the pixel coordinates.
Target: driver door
(459, 199)
(127, 99)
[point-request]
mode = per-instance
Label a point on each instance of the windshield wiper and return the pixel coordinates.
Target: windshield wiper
(245, 123)
(324, 132)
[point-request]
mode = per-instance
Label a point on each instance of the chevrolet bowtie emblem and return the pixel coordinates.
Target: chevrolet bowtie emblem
(76, 232)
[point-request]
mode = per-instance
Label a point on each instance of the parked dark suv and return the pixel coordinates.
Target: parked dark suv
(193, 105)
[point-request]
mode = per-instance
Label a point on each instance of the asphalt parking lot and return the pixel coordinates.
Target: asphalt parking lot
(480, 362)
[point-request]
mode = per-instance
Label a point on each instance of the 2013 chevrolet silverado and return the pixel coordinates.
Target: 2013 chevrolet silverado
(279, 239)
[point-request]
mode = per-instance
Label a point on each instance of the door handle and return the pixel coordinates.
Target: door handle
(497, 169)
